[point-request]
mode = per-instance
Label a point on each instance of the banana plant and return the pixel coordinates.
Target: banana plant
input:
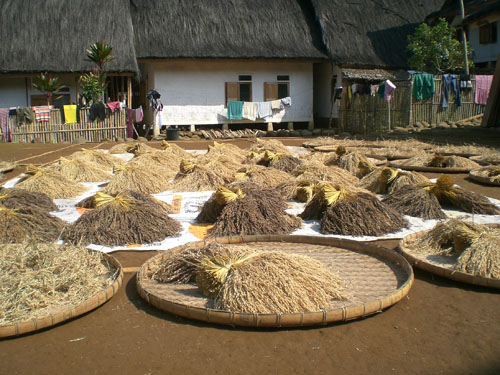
(48, 85)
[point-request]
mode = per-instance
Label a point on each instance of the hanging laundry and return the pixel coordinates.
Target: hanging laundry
(5, 124)
(465, 81)
(381, 90)
(24, 115)
(97, 110)
(70, 114)
(483, 85)
(113, 106)
(264, 110)
(249, 110)
(373, 90)
(349, 92)
(276, 104)
(138, 114)
(450, 81)
(42, 113)
(363, 89)
(423, 86)
(287, 101)
(389, 87)
(234, 109)
(456, 90)
(354, 89)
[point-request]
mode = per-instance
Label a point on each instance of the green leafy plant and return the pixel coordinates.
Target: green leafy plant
(94, 83)
(100, 54)
(48, 85)
(435, 50)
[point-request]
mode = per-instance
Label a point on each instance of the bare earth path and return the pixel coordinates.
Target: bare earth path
(442, 327)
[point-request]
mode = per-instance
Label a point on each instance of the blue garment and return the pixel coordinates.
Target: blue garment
(234, 110)
(455, 86)
(450, 80)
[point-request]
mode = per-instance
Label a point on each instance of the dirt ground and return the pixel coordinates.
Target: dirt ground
(441, 327)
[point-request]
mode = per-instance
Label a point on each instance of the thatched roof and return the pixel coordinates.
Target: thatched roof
(451, 10)
(53, 35)
(226, 29)
(372, 34)
(374, 75)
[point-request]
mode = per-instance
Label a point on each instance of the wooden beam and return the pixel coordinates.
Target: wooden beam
(492, 112)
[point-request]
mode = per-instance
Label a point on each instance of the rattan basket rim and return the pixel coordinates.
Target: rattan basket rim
(288, 320)
(485, 180)
(68, 312)
(416, 168)
(443, 271)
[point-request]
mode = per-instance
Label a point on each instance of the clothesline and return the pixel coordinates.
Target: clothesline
(238, 110)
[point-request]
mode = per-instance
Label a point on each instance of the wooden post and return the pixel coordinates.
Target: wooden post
(492, 112)
(129, 92)
(290, 126)
(225, 126)
(192, 128)
(269, 126)
(310, 126)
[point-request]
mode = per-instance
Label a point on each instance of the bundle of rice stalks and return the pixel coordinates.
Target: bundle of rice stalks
(37, 278)
(80, 171)
(134, 178)
(361, 215)
(388, 180)
(249, 214)
(416, 202)
(122, 220)
(482, 256)
(166, 164)
(300, 189)
(16, 198)
(253, 157)
(173, 149)
(90, 202)
(354, 162)
(318, 171)
(267, 282)
(223, 165)
(226, 149)
(28, 223)
(213, 207)
(140, 148)
(325, 194)
(50, 182)
(198, 177)
(263, 176)
(98, 157)
(439, 161)
(282, 162)
(273, 145)
(453, 196)
(121, 148)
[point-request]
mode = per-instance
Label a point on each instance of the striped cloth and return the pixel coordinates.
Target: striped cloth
(42, 113)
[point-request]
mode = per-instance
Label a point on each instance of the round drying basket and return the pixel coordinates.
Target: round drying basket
(416, 168)
(474, 175)
(376, 278)
(442, 265)
(6, 166)
(480, 160)
(64, 313)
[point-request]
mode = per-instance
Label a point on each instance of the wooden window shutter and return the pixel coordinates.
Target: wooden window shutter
(270, 91)
(232, 91)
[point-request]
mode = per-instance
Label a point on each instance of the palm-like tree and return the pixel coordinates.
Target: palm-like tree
(48, 85)
(100, 54)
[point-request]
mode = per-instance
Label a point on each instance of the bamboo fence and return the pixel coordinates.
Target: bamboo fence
(365, 114)
(55, 131)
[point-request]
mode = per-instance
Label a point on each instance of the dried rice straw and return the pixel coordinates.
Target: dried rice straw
(388, 180)
(80, 171)
(263, 176)
(196, 177)
(90, 202)
(16, 198)
(134, 178)
(98, 157)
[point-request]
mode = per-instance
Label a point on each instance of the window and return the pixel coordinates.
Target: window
(277, 90)
(488, 33)
(241, 90)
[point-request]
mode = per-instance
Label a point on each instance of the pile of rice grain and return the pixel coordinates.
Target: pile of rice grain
(37, 279)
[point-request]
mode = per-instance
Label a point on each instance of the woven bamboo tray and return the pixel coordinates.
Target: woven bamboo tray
(6, 167)
(473, 175)
(416, 168)
(64, 313)
(442, 265)
(375, 277)
(490, 161)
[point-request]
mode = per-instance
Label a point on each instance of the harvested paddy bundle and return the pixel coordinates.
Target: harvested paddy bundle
(16, 198)
(80, 170)
(475, 247)
(354, 162)
(269, 198)
(263, 176)
(172, 148)
(355, 214)
(28, 223)
(140, 148)
(318, 171)
(199, 177)
(223, 164)
(98, 157)
(37, 278)
(439, 161)
(226, 149)
(50, 182)
(91, 202)
(387, 180)
(280, 161)
(165, 164)
(299, 189)
(248, 214)
(121, 148)
(416, 202)
(453, 196)
(273, 145)
(122, 220)
(140, 179)
(271, 282)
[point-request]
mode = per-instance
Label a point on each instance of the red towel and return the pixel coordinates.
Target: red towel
(113, 106)
(483, 85)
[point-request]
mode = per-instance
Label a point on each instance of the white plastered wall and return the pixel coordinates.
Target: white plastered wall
(193, 91)
(484, 52)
